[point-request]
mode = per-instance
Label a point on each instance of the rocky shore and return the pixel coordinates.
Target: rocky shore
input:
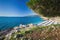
(7, 33)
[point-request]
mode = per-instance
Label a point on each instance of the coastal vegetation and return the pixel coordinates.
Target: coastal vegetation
(51, 32)
(46, 8)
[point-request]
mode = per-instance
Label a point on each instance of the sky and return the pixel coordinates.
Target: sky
(15, 8)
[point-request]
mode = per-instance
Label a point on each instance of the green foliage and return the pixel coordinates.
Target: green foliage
(47, 8)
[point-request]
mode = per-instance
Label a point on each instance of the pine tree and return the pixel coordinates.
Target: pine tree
(47, 8)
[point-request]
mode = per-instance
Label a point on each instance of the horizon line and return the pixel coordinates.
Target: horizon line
(18, 16)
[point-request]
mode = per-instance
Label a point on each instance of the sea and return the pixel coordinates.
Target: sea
(11, 22)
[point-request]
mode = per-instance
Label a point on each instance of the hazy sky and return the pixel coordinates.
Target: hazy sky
(14, 8)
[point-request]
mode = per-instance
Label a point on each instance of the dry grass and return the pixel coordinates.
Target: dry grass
(45, 33)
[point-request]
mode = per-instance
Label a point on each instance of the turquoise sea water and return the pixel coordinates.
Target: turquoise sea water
(10, 22)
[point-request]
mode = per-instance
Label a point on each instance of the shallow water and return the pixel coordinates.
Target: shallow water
(10, 22)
